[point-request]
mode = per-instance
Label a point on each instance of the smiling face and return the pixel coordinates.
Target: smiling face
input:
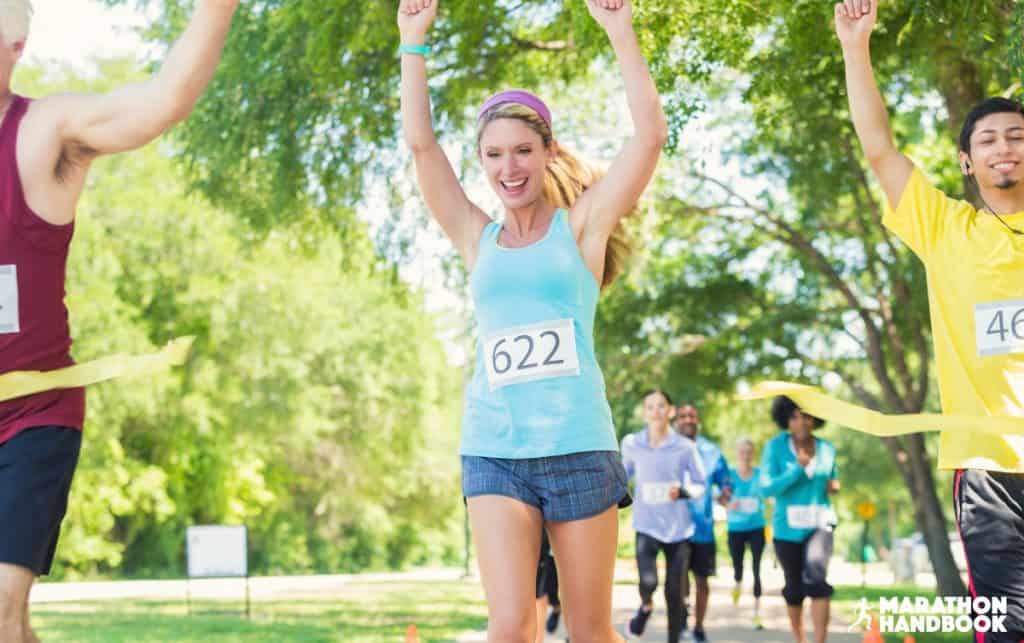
(657, 410)
(800, 425)
(515, 159)
(515, 147)
(688, 420)
(997, 151)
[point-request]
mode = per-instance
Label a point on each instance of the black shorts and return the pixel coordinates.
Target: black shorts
(805, 567)
(989, 509)
(545, 566)
(702, 559)
(36, 468)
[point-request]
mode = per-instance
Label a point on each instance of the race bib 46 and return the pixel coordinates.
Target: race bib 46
(999, 327)
(9, 300)
(529, 353)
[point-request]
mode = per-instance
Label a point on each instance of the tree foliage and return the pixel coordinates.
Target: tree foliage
(770, 261)
(318, 408)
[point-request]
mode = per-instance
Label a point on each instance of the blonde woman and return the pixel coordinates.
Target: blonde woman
(538, 445)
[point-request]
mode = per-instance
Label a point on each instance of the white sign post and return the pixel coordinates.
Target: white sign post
(217, 551)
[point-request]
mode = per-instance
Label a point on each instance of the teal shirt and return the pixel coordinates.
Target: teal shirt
(801, 498)
(535, 310)
(748, 501)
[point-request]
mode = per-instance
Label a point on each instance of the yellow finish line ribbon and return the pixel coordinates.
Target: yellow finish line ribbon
(816, 403)
(22, 383)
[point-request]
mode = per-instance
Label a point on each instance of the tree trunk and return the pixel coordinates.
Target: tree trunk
(931, 518)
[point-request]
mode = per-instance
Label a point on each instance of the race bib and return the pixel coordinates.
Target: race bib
(746, 505)
(657, 493)
(999, 327)
(9, 300)
(528, 353)
(810, 516)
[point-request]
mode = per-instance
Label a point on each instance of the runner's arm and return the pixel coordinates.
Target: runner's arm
(615, 194)
(132, 116)
(461, 220)
(870, 117)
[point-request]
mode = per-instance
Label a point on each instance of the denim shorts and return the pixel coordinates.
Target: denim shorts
(564, 487)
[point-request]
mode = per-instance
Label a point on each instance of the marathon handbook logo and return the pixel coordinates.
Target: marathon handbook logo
(913, 615)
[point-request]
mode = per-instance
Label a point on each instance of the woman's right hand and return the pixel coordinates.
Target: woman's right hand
(855, 19)
(414, 20)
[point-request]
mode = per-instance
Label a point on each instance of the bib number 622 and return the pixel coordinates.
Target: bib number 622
(529, 353)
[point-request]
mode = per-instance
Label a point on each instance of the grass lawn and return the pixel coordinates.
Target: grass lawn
(846, 599)
(359, 612)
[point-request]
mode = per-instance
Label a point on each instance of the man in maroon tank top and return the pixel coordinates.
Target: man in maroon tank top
(46, 148)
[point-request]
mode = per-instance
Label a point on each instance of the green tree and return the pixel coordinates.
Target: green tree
(333, 439)
(795, 278)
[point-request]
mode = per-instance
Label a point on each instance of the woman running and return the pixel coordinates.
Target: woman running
(667, 470)
(799, 470)
(746, 523)
(538, 445)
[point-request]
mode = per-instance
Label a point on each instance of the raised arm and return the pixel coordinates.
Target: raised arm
(134, 115)
(460, 219)
(603, 205)
(854, 21)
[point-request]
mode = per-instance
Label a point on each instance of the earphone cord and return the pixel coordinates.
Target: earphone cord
(994, 213)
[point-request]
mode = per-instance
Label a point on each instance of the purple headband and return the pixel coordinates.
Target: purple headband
(522, 98)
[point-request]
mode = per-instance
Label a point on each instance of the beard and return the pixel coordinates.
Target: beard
(1007, 183)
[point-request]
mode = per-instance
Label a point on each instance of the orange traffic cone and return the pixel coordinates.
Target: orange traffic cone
(873, 635)
(412, 635)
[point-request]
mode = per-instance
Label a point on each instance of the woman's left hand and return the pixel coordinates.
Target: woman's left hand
(612, 15)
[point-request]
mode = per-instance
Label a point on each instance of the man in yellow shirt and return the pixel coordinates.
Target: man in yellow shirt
(975, 265)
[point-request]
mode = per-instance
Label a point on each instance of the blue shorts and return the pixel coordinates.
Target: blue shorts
(36, 469)
(564, 487)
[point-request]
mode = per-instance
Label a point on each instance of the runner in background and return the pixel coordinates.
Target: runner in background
(703, 550)
(799, 471)
(667, 473)
(746, 523)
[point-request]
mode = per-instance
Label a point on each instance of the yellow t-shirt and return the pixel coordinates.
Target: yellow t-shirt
(975, 272)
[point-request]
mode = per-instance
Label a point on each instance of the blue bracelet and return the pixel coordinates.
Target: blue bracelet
(418, 50)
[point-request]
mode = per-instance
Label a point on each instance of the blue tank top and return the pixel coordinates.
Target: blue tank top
(746, 511)
(536, 390)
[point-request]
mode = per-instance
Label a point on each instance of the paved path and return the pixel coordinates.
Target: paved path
(725, 622)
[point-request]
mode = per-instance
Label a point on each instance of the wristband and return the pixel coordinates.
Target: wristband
(417, 50)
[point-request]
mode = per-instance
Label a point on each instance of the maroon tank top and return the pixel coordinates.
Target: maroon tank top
(34, 333)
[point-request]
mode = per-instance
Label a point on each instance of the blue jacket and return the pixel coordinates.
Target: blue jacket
(717, 471)
(802, 503)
